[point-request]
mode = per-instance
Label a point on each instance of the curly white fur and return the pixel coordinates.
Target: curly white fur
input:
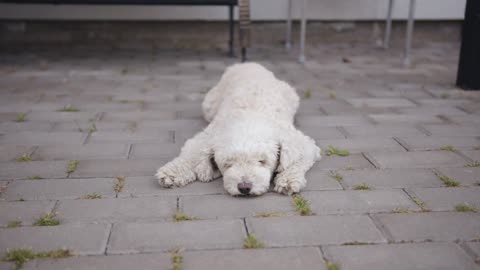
(251, 137)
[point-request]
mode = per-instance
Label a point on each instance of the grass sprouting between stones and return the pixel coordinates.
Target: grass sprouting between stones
(355, 243)
(448, 148)
(20, 256)
(72, 166)
(307, 94)
(92, 128)
(474, 164)
(420, 204)
(336, 176)
(302, 206)
(179, 216)
(251, 242)
(68, 108)
(176, 258)
(449, 182)
(26, 157)
(35, 177)
(400, 210)
(92, 196)
(336, 151)
(476, 148)
(349, 168)
(21, 117)
(332, 266)
(332, 95)
(49, 219)
(269, 214)
(362, 187)
(14, 224)
(463, 207)
(119, 184)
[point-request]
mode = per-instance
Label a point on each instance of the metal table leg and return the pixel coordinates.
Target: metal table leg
(303, 32)
(288, 37)
(231, 30)
(408, 43)
(388, 25)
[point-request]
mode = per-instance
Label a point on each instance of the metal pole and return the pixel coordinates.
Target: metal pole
(288, 38)
(303, 32)
(408, 43)
(232, 34)
(388, 26)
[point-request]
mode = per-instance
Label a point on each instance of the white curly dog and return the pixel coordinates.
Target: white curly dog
(250, 139)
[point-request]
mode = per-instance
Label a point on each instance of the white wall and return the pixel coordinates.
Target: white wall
(260, 9)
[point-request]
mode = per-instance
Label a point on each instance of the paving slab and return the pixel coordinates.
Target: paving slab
(10, 152)
(24, 170)
(405, 119)
(353, 161)
(43, 138)
(436, 143)
(27, 126)
(383, 131)
(117, 210)
(117, 167)
(54, 189)
(207, 206)
(79, 239)
(358, 201)
(359, 145)
(79, 152)
(453, 130)
(433, 226)
(138, 116)
(390, 178)
(474, 247)
(125, 262)
(164, 236)
(473, 155)
(139, 186)
(318, 179)
(445, 199)
(154, 150)
(278, 258)
(131, 137)
(429, 159)
(380, 102)
(331, 121)
(314, 230)
(401, 256)
(26, 212)
(465, 176)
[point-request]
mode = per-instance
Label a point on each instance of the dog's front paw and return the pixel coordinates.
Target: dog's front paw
(206, 171)
(171, 176)
(288, 186)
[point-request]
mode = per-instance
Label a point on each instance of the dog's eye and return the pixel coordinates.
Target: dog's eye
(227, 165)
(262, 162)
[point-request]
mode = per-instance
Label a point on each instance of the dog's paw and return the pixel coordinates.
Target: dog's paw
(168, 177)
(206, 172)
(288, 186)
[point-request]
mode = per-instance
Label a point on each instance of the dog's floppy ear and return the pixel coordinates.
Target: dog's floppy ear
(292, 149)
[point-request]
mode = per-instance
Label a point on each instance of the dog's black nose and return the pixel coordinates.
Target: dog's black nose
(244, 187)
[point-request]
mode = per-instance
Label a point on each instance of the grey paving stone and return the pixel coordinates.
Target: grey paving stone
(10, 152)
(131, 137)
(385, 131)
(453, 130)
(428, 159)
(445, 199)
(43, 138)
(318, 179)
(79, 239)
(473, 155)
(466, 176)
(79, 152)
(470, 119)
(324, 133)
(22, 170)
(138, 116)
(164, 236)
(401, 256)
(53, 189)
(390, 178)
(380, 102)
(62, 116)
(85, 126)
(117, 167)
(148, 186)
(154, 150)
(331, 121)
(259, 259)
(124, 262)
(354, 161)
(26, 212)
(207, 207)
(405, 119)
(474, 247)
(439, 226)
(443, 110)
(358, 201)
(363, 145)
(27, 126)
(177, 124)
(314, 230)
(435, 143)
(117, 210)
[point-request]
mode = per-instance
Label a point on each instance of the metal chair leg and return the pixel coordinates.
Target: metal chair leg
(388, 25)
(408, 42)
(303, 32)
(288, 37)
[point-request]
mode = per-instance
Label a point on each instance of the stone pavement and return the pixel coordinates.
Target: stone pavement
(82, 133)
